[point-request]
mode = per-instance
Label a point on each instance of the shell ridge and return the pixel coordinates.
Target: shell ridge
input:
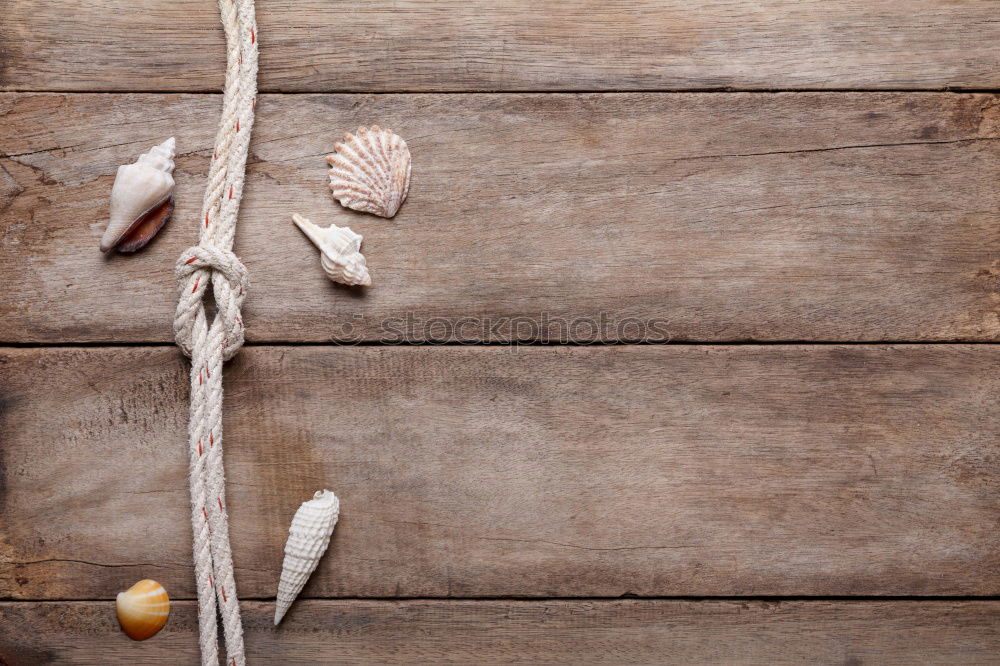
(377, 148)
(360, 165)
(355, 165)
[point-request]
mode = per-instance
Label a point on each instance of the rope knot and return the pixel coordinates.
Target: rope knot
(197, 267)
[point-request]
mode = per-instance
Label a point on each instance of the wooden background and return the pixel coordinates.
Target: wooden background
(803, 194)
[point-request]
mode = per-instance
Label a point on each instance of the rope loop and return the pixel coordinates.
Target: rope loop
(197, 267)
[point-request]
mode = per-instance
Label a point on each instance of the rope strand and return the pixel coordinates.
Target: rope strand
(209, 345)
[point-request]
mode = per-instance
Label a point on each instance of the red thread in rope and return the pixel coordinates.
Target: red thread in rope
(230, 191)
(211, 439)
(220, 503)
(253, 37)
(192, 259)
(199, 447)
(224, 594)
(195, 287)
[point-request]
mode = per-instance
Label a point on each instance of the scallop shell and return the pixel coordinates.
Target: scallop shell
(342, 260)
(308, 538)
(140, 199)
(371, 171)
(143, 609)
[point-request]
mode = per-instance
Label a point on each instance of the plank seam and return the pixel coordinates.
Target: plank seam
(672, 343)
(861, 599)
(526, 91)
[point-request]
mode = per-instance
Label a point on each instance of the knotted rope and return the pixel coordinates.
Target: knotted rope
(212, 262)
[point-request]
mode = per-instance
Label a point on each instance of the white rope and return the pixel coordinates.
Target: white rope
(208, 345)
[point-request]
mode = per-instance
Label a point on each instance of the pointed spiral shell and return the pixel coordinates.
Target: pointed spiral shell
(308, 538)
(370, 171)
(342, 260)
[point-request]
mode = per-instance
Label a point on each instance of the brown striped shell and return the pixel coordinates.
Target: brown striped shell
(143, 609)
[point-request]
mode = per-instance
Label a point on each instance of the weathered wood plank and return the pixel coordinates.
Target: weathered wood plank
(868, 217)
(539, 471)
(535, 632)
(458, 45)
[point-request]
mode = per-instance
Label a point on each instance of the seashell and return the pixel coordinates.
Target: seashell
(140, 199)
(342, 260)
(371, 171)
(143, 609)
(308, 538)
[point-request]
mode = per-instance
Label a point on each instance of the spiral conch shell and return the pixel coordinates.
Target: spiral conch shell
(342, 259)
(370, 171)
(143, 609)
(140, 199)
(308, 538)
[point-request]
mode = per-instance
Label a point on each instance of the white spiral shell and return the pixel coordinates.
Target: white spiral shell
(139, 188)
(308, 538)
(341, 250)
(370, 171)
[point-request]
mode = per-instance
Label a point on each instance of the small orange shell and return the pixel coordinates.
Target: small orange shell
(143, 609)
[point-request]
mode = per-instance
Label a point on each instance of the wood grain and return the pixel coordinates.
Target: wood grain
(538, 471)
(462, 45)
(868, 217)
(536, 632)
